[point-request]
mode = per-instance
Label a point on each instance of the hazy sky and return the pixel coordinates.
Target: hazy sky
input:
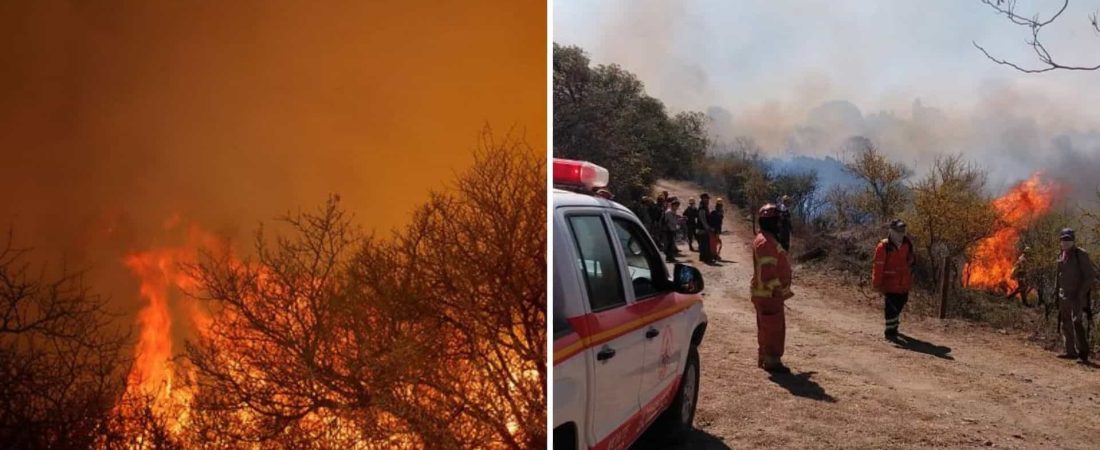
(233, 112)
(770, 64)
(869, 52)
(118, 116)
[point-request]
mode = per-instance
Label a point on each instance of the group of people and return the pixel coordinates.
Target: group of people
(891, 276)
(891, 271)
(771, 281)
(701, 225)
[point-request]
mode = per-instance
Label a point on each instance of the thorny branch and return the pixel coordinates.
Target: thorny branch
(1008, 9)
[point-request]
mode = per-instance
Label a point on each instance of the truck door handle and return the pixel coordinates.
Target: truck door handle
(605, 354)
(652, 333)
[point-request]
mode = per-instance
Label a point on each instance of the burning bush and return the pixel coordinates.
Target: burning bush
(990, 264)
(435, 339)
(323, 338)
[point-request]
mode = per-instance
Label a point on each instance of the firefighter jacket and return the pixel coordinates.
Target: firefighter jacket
(772, 277)
(890, 273)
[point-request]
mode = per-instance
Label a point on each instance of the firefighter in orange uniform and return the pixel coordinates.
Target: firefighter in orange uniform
(891, 276)
(771, 286)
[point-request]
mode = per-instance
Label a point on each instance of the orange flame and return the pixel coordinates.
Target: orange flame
(168, 312)
(992, 261)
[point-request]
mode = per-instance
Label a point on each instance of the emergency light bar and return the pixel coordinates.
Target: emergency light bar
(580, 173)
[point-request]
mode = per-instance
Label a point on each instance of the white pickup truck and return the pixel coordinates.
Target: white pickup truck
(625, 332)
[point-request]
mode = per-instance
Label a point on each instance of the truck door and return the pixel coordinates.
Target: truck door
(613, 351)
(653, 299)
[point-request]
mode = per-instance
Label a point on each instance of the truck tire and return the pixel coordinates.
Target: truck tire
(565, 437)
(679, 419)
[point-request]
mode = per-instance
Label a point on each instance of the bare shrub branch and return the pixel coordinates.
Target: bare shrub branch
(1035, 25)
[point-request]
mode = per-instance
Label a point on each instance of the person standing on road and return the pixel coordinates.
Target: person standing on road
(1076, 275)
(894, 256)
(645, 214)
(691, 214)
(771, 287)
(670, 224)
(784, 235)
(703, 232)
(714, 220)
(657, 215)
(1019, 275)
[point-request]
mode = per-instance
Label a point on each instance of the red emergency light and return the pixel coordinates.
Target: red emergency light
(580, 173)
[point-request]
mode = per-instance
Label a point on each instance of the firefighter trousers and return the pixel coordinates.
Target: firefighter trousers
(895, 303)
(771, 326)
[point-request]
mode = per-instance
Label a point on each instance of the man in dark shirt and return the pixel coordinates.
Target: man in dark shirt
(784, 236)
(714, 220)
(1076, 275)
(703, 232)
(670, 224)
(691, 214)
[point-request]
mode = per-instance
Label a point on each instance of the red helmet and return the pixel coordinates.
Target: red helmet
(767, 211)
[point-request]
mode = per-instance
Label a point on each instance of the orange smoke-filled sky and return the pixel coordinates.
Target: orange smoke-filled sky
(115, 116)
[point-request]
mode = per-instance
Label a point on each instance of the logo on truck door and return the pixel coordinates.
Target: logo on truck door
(666, 363)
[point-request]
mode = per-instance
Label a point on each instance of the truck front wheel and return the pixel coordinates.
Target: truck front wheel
(565, 437)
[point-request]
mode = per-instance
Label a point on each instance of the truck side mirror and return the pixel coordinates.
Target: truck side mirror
(686, 279)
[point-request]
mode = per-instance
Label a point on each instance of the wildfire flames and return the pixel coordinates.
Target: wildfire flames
(991, 263)
(168, 312)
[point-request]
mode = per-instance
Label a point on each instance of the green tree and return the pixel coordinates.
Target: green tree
(802, 188)
(603, 115)
(951, 210)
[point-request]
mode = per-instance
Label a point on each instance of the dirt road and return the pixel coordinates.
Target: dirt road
(955, 386)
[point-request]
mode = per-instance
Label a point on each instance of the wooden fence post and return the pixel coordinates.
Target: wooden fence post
(944, 283)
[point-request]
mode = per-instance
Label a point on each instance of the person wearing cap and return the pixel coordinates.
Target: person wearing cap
(670, 224)
(703, 232)
(784, 235)
(714, 220)
(1074, 283)
(691, 216)
(770, 288)
(890, 274)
